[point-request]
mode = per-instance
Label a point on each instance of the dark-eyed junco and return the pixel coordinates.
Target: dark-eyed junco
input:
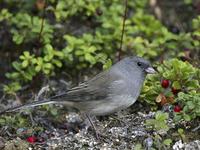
(110, 91)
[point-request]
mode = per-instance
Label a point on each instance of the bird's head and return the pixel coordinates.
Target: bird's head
(139, 64)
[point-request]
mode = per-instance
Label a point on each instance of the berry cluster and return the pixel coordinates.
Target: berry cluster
(162, 98)
(165, 84)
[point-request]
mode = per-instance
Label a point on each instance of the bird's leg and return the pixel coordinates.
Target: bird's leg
(93, 126)
(32, 120)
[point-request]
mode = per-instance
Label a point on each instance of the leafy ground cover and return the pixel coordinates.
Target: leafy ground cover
(63, 43)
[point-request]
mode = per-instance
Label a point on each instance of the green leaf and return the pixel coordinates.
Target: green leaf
(54, 111)
(27, 75)
(180, 131)
(2, 121)
(16, 65)
(48, 57)
(193, 84)
(177, 117)
(12, 87)
(25, 63)
(48, 65)
(26, 54)
(186, 117)
(59, 54)
(18, 39)
(190, 104)
(91, 49)
(107, 64)
(49, 48)
(138, 147)
(57, 63)
(34, 60)
(38, 68)
(21, 57)
(90, 58)
(13, 75)
(160, 69)
(46, 71)
(176, 85)
(161, 116)
(167, 142)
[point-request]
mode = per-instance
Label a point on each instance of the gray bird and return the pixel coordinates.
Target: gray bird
(108, 92)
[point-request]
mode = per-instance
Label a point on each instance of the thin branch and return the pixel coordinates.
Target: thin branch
(123, 27)
(42, 23)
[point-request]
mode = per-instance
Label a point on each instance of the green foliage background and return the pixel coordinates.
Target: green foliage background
(54, 35)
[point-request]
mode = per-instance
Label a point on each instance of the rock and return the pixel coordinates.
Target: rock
(16, 144)
(148, 142)
(2, 143)
(118, 132)
(194, 145)
(179, 145)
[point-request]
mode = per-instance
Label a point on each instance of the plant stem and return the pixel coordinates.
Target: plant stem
(123, 27)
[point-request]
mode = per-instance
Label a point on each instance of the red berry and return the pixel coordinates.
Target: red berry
(175, 91)
(165, 83)
(177, 108)
(31, 139)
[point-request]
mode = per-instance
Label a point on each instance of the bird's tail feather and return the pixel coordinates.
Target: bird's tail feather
(32, 104)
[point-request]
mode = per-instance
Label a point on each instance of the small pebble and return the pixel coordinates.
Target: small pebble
(148, 142)
(178, 145)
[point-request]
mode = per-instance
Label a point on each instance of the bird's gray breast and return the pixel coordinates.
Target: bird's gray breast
(130, 83)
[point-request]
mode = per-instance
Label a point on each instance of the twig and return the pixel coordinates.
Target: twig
(42, 91)
(42, 23)
(123, 27)
(196, 128)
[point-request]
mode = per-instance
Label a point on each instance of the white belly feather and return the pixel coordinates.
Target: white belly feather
(117, 103)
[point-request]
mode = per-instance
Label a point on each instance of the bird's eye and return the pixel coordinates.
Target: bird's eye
(139, 64)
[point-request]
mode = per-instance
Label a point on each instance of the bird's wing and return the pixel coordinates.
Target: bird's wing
(97, 88)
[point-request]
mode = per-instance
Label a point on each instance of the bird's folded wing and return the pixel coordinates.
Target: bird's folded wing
(98, 88)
